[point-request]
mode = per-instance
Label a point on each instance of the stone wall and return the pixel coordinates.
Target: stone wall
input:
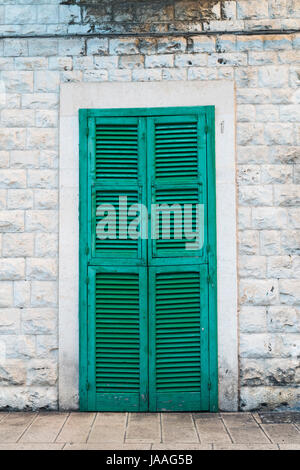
(37, 55)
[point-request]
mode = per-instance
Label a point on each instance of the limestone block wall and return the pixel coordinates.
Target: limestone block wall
(256, 44)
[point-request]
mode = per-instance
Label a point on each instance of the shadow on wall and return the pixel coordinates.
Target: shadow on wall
(145, 12)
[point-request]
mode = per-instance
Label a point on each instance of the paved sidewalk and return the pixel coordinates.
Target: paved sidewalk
(185, 431)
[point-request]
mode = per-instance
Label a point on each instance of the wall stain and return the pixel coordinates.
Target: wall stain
(146, 15)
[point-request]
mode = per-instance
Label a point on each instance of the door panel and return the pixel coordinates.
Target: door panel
(117, 334)
(176, 162)
(117, 168)
(117, 248)
(178, 349)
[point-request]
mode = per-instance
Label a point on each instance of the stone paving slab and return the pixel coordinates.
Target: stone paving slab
(211, 428)
(77, 427)
(156, 431)
(243, 428)
(108, 427)
(14, 425)
(45, 428)
(282, 433)
(178, 427)
(143, 427)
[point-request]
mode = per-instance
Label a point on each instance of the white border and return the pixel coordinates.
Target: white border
(220, 94)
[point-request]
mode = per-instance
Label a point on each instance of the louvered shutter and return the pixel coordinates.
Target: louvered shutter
(117, 169)
(178, 294)
(178, 322)
(144, 303)
(177, 176)
(117, 288)
(117, 335)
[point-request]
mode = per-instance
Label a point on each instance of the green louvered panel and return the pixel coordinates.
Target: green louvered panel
(117, 151)
(117, 332)
(118, 321)
(122, 245)
(186, 199)
(176, 149)
(177, 313)
(176, 162)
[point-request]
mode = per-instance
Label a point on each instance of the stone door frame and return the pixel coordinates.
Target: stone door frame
(74, 96)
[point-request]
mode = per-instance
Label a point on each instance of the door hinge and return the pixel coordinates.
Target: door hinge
(87, 280)
(206, 129)
(209, 385)
(87, 385)
(87, 131)
(87, 250)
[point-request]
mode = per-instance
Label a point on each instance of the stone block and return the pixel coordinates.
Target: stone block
(11, 139)
(259, 292)
(18, 244)
(10, 321)
(71, 47)
(42, 179)
(21, 294)
(15, 47)
(12, 373)
(270, 242)
(159, 61)
(46, 81)
(256, 195)
(46, 118)
(12, 179)
(252, 266)
(43, 269)
(250, 134)
(12, 269)
(44, 294)
(11, 221)
(273, 174)
(290, 242)
(252, 319)
(19, 199)
(6, 294)
(39, 138)
(289, 290)
(255, 9)
(273, 76)
(97, 46)
(41, 373)
(249, 242)
(283, 319)
(123, 46)
(269, 218)
(39, 321)
(18, 118)
(41, 221)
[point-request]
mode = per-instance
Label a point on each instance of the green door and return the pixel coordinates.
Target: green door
(147, 260)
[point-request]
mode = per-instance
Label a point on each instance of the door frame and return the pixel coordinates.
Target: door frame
(86, 144)
(74, 96)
